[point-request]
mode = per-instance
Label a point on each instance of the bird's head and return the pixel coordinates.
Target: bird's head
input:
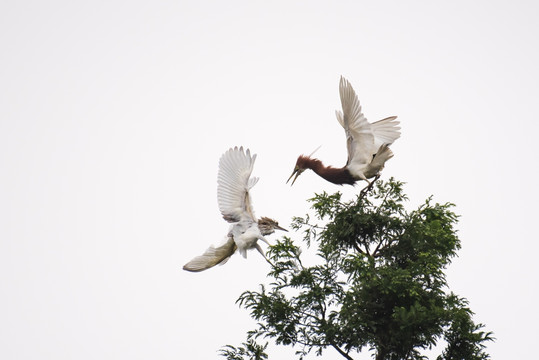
(299, 168)
(303, 162)
(267, 226)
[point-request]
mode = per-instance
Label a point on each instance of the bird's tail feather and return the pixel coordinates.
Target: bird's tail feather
(383, 154)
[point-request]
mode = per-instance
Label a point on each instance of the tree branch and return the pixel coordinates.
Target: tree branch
(340, 351)
(358, 249)
(374, 253)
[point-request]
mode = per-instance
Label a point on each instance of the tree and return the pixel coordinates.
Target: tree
(379, 284)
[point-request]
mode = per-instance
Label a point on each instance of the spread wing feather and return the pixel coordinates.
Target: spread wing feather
(212, 256)
(233, 184)
(359, 136)
(363, 138)
(385, 131)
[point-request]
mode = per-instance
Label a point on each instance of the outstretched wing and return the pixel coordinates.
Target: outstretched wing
(212, 256)
(385, 131)
(233, 184)
(359, 134)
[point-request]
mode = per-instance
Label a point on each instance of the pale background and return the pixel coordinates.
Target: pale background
(113, 116)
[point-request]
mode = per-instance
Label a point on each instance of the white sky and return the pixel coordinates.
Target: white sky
(113, 116)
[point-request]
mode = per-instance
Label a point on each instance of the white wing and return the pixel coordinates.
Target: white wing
(386, 131)
(233, 184)
(359, 134)
(212, 256)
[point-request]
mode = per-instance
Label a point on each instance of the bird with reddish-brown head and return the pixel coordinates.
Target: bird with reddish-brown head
(367, 144)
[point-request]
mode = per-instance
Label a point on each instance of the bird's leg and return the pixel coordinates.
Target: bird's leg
(367, 188)
(264, 240)
(262, 253)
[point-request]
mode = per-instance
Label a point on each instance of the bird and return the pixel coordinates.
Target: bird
(367, 144)
(234, 182)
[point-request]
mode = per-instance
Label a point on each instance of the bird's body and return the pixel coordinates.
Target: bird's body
(234, 182)
(367, 143)
(335, 175)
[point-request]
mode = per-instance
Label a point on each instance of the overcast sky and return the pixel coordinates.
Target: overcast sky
(113, 116)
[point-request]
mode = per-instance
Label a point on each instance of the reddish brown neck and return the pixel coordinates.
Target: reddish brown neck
(337, 176)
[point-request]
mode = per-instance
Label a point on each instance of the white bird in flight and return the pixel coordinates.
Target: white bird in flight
(233, 184)
(367, 144)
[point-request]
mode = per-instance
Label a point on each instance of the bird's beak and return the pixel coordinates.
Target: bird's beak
(280, 228)
(297, 171)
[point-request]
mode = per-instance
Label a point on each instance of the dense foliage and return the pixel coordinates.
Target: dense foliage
(379, 283)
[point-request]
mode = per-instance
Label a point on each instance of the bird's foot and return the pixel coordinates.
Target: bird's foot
(368, 188)
(365, 190)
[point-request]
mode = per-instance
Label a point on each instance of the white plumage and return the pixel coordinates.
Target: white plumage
(233, 184)
(367, 144)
